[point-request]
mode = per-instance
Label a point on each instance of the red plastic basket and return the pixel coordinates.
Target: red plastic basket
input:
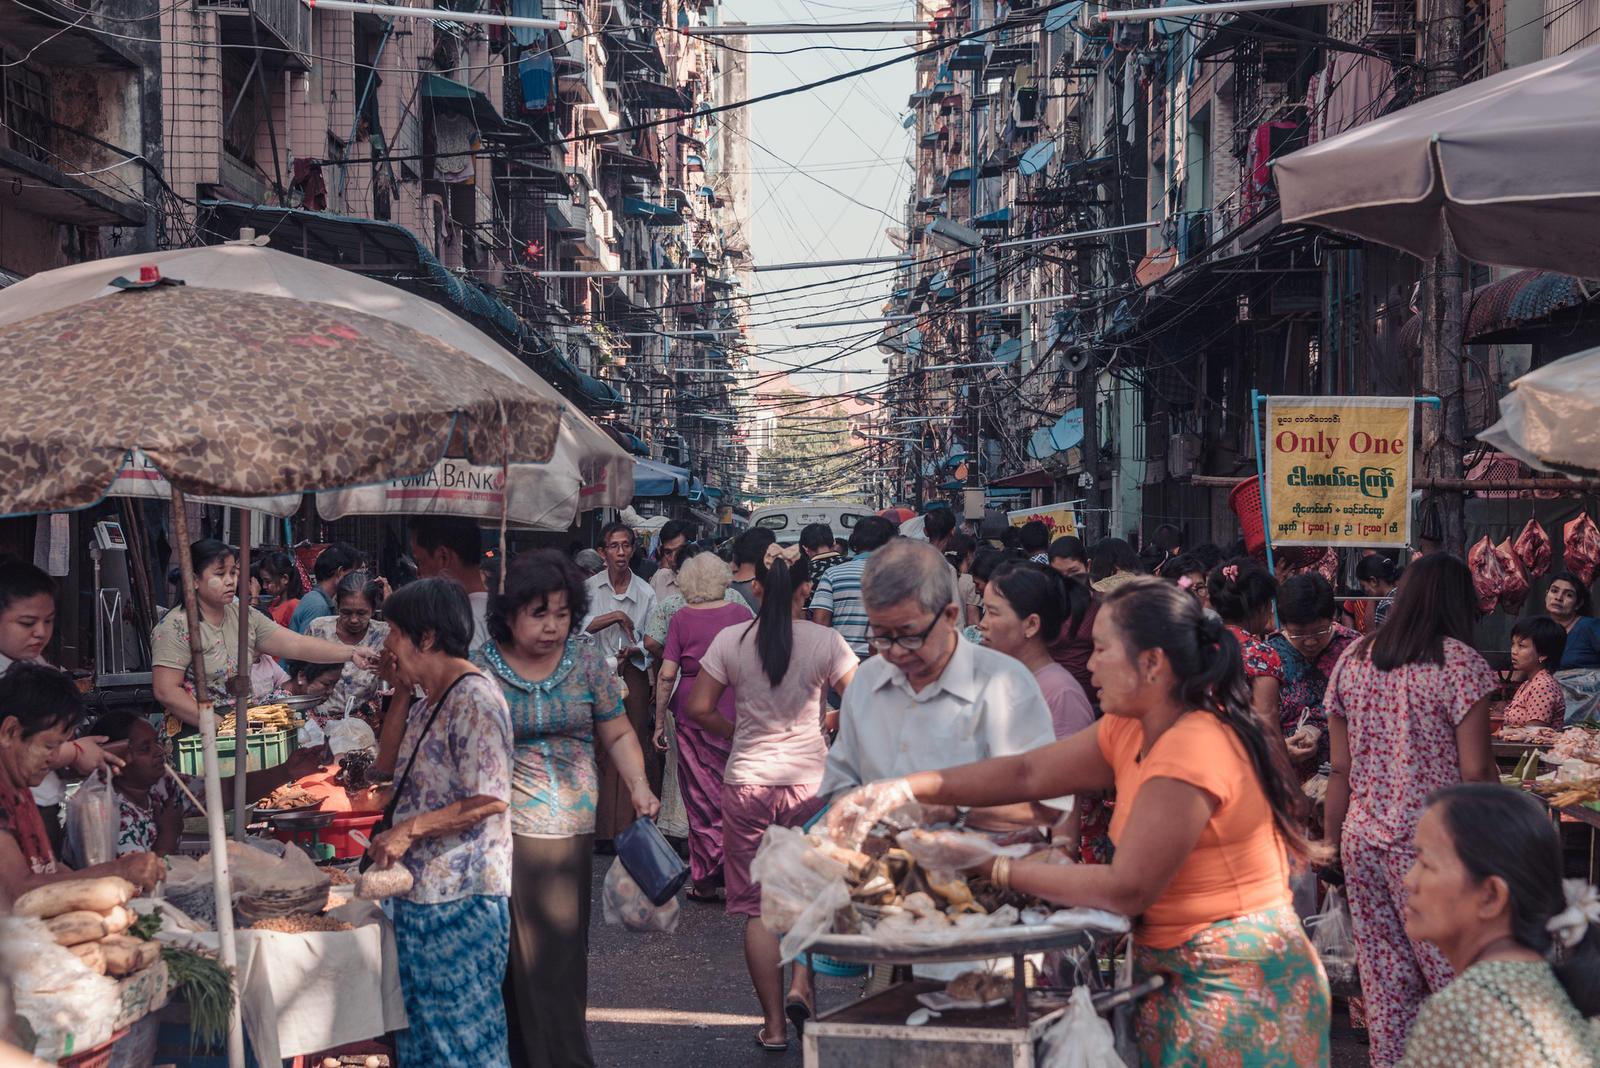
(95, 1057)
(1245, 499)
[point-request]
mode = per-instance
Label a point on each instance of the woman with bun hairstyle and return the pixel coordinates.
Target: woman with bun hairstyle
(1408, 714)
(1486, 891)
(1208, 816)
(1241, 591)
(1378, 576)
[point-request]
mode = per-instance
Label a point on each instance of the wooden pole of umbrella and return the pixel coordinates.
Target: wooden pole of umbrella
(241, 687)
(222, 884)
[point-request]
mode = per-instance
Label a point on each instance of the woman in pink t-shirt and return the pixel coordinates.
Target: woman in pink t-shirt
(780, 668)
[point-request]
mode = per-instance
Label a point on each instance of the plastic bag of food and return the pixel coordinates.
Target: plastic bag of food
(1081, 1038)
(953, 850)
(377, 883)
(51, 986)
(1331, 937)
(349, 736)
(802, 886)
(623, 902)
(93, 817)
(1515, 589)
(1533, 548)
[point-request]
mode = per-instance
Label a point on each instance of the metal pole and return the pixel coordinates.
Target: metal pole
(1222, 7)
(829, 263)
(437, 14)
(642, 273)
(1079, 235)
(241, 688)
(221, 884)
(1444, 429)
(736, 30)
(1257, 399)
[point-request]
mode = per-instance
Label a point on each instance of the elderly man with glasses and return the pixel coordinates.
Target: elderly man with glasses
(929, 698)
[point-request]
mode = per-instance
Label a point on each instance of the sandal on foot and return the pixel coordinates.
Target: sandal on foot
(798, 1012)
(705, 897)
(771, 1047)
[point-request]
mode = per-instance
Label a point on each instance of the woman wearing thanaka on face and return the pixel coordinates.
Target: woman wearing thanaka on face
(1486, 890)
(1207, 819)
(216, 575)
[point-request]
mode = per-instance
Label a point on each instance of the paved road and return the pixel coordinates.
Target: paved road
(664, 1000)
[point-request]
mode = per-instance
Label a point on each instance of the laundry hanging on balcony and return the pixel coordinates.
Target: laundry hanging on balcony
(537, 75)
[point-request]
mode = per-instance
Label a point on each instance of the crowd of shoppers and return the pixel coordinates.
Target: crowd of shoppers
(1205, 740)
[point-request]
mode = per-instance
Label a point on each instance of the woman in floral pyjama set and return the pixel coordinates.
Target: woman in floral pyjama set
(1398, 731)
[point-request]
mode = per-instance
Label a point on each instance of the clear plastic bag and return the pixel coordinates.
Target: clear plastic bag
(1081, 1038)
(378, 883)
(623, 902)
(801, 888)
(55, 991)
(1331, 937)
(952, 850)
(93, 815)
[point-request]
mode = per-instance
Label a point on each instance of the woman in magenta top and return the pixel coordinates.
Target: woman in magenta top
(703, 581)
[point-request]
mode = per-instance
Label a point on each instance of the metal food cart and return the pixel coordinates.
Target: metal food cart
(874, 1032)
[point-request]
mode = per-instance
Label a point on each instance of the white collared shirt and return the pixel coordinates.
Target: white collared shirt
(984, 704)
(635, 602)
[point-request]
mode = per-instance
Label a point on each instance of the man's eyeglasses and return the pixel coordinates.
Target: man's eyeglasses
(909, 642)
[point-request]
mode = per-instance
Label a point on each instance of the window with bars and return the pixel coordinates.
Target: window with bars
(24, 108)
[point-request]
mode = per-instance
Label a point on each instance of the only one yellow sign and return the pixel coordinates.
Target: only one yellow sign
(1060, 518)
(1338, 470)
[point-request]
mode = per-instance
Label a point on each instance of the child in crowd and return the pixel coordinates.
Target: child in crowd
(1536, 646)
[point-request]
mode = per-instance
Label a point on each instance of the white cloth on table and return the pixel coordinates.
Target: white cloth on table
(304, 993)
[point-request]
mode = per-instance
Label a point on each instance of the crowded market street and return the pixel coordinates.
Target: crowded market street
(897, 534)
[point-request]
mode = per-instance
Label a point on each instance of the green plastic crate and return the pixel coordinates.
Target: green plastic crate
(266, 749)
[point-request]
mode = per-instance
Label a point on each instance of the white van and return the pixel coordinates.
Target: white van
(786, 521)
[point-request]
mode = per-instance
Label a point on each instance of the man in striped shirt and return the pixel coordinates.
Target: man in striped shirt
(836, 602)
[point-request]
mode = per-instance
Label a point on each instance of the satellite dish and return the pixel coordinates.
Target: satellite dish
(1077, 358)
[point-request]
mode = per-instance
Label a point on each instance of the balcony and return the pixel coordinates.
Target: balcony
(283, 26)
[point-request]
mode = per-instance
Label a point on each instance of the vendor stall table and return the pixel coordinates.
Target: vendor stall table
(874, 1033)
(303, 993)
(1588, 817)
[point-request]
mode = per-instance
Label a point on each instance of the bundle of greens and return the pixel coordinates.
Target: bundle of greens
(204, 984)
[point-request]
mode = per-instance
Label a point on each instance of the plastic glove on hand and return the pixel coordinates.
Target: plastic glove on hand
(852, 817)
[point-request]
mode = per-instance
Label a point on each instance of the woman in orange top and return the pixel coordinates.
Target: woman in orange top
(1207, 815)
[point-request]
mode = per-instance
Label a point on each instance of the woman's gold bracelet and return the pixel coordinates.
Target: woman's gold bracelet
(1000, 873)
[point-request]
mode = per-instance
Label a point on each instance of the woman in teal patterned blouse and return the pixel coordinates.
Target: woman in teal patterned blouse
(563, 700)
(1486, 889)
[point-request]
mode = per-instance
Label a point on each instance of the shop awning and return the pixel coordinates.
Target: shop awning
(654, 479)
(652, 214)
(1059, 18)
(1509, 309)
(994, 220)
(445, 94)
(959, 176)
(1038, 478)
(660, 97)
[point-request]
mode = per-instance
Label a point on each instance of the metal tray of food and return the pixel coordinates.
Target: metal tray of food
(299, 702)
(980, 944)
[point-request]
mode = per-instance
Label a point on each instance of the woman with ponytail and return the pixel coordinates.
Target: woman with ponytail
(1207, 820)
(1408, 714)
(779, 668)
(1486, 891)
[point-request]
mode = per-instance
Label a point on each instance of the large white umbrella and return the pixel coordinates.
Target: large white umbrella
(1550, 418)
(1509, 166)
(588, 470)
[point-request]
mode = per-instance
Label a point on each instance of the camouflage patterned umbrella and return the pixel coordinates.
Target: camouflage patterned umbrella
(237, 394)
(241, 395)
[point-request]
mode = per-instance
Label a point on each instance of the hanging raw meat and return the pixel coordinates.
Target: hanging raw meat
(1580, 542)
(1488, 577)
(1534, 549)
(1515, 589)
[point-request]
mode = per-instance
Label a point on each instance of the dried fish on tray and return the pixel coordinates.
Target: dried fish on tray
(886, 896)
